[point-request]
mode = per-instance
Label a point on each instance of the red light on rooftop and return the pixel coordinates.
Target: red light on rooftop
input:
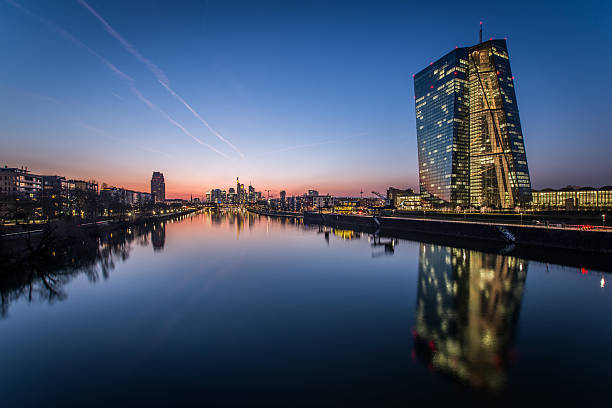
(491, 39)
(431, 63)
(455, 72)
(497, 72)
(505, 38)
(512, 77)
(413, 75)
(583, 271)
(431, 87)
(481, 23)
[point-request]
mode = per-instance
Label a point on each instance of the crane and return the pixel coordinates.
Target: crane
(386, 201)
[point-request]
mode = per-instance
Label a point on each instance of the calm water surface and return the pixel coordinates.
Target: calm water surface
(228, 308)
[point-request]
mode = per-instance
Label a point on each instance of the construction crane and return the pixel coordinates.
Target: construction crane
(386, 201)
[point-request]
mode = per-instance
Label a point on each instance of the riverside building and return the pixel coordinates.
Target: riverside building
(470, 143)
(573, 198)
(19, 181)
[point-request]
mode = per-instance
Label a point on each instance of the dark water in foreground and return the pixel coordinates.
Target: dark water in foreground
(236, 309)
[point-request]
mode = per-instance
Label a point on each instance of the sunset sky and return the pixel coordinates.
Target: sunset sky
(286, 95)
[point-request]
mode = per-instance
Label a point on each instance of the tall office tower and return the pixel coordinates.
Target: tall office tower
(470, 143)
(499, 176)
(442, 119)
(239, 191)
(158, 187)
(251, 195)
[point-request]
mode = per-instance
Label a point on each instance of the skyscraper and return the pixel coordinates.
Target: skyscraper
(470, 143)
(442, 106)
(499, 176)
(158, 187)
(239, 191)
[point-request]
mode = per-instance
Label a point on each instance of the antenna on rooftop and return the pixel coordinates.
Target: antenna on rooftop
(480, 38)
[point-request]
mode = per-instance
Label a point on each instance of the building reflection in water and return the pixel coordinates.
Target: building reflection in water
(347, 234)
(43, 277)
(467, 311)
(388, 246)
(158, 237)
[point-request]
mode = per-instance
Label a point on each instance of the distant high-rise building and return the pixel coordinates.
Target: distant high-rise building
(283, 195)
(251, 197)
(470, 143)
(240, 195)
(312, 193)
(158, 187)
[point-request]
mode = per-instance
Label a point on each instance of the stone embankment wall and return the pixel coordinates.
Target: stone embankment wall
(559, 238)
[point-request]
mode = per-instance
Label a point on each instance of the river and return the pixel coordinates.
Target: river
(235, 309)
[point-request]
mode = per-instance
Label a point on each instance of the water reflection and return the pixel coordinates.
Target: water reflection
(388, 246)
(467, 311)
(42, 278)
(290, 304)
(158, 237)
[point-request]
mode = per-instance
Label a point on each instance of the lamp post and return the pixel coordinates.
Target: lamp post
(603, 217)
(521, 218)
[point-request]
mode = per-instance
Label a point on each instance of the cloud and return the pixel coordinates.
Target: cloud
(157, 72)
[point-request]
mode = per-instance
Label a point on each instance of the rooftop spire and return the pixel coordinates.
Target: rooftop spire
(480, 38)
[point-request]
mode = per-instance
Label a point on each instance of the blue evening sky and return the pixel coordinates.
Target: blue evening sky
(301, 94)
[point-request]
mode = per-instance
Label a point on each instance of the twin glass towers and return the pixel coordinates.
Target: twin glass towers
(470, 144)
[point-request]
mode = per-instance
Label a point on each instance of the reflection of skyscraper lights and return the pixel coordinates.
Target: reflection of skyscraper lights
(602, 283)
(467, 309)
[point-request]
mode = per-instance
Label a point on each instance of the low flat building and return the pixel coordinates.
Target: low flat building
(393, 192)
(321, 201)
(408, 202)
(90, 186)
(572, 198)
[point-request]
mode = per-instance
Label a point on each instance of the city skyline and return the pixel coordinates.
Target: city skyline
(210, 94)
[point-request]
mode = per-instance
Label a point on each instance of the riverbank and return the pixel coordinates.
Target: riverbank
(58, 237)
(279, 214)
(529, 240)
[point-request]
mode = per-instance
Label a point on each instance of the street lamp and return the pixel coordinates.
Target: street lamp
(603, 217)
(521, 218)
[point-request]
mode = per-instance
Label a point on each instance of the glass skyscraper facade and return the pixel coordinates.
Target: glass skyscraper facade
(471, 148)
(442, 119)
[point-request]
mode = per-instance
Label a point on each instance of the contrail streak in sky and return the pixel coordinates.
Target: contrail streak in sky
(159, 74)
(58, 30)
(66, 35)
(175, 123)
